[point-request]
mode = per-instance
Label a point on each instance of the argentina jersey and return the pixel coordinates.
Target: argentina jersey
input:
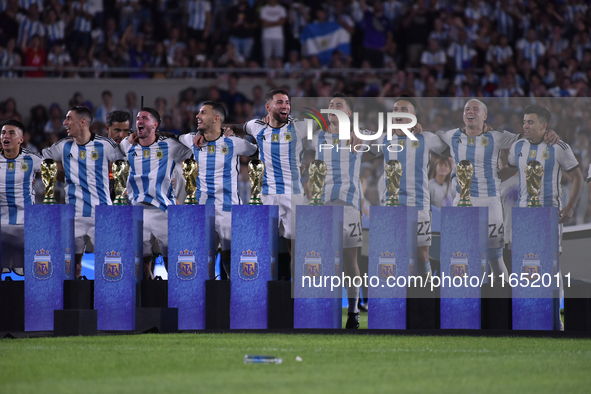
(280, 150)
(554, 159)
(86, 169)
(219, 166)
(414, 157)
(16, 185)
(150, 169)
(483, 152)
(343, 165)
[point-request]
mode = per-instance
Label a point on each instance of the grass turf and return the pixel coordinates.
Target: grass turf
(180, 363)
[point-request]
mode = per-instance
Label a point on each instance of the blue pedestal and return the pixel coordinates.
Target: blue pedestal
(535, 251)
(191, 259)
(254, 263)
(117, 265)
(464, 244)
(318, 251)
(49, 260)
(392, 254)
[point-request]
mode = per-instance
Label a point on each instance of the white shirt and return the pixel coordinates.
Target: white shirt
(273, 14)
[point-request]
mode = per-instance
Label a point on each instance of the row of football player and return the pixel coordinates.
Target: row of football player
(281, 140)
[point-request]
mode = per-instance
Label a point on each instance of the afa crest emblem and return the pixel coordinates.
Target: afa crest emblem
(248, 268)
(24, 166)
(530, 265)
(484, 141)
(459, 265)
(546, 154)
(159, 154)
(186, 269)
(94, 155)
(42, 265)
(112, 267)
(313, 264)
(225, 149)
(68, 261)
(415, 144)
(386, 266)
(287, 136)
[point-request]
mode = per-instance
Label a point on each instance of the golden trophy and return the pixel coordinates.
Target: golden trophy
(190, 173)
(465, 171)
(317, 172)
(48, 176)
(120, 175)
(393, 172)
(533, 177)
(256, 170)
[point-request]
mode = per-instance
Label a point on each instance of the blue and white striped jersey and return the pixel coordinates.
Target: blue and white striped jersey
(219, 166)
(343, 165)
(281, 151)
(532, 51)
(86, 169)
(197, 11)
(16, 185)
(28, 28)
(80, 23)
(414, 157)
(150, 170)
(554, 159)
(56, 31)
(483, 152)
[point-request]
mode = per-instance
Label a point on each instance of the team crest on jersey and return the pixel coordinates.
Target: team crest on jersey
(546, 154)
(146, 153)
(336, 141)
(484, 141)
(42, 265)
(275, 138)
(186, 268)
(248, 269)
(159, 154)
(24, 166)
(211, 149)
(415, 144)
(471, 141)
(11, 166)
(402, 143)
(287, 136)
(94, 155)
(82, 155)
(532, 154)
(112, 267)
(225, 149)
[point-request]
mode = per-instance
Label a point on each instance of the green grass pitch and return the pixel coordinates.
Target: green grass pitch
(212, 363)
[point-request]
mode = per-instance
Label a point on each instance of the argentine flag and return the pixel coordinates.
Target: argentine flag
(322, 39)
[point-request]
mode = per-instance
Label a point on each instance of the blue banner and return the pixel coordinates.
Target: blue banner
(49, 260)
(318, 255)
(254, 263)
(464, 245)
(191, 261)
(392, 260)
(535, 268)
(118, 265)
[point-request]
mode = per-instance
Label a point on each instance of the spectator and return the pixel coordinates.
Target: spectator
(461, 55)
(434, 58)
(35, 56)
(59, 58)
(54, 27)
(440, 187)
(81, 13)
(272, 16)
(9, 58)
(199, 19)
(530, 48)
(101, 112)
(29, 25)
(8, 110)
(9, 22)
(242, 22)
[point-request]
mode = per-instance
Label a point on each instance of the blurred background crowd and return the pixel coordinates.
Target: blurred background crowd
(514, 51)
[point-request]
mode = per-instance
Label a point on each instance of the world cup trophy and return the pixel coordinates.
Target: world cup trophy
(256, 170)
(465, 171)
(533, 177)
(317, 172)
(190, 173)
(48, 176)
(120, 176)
(393, 172)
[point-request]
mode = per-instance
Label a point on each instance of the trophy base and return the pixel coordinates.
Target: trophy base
(255, 201)
(316, 202)
(465, 203)
(49, 201)
(393, 203)
(120, 201)
(534, 204)
(191, 201)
